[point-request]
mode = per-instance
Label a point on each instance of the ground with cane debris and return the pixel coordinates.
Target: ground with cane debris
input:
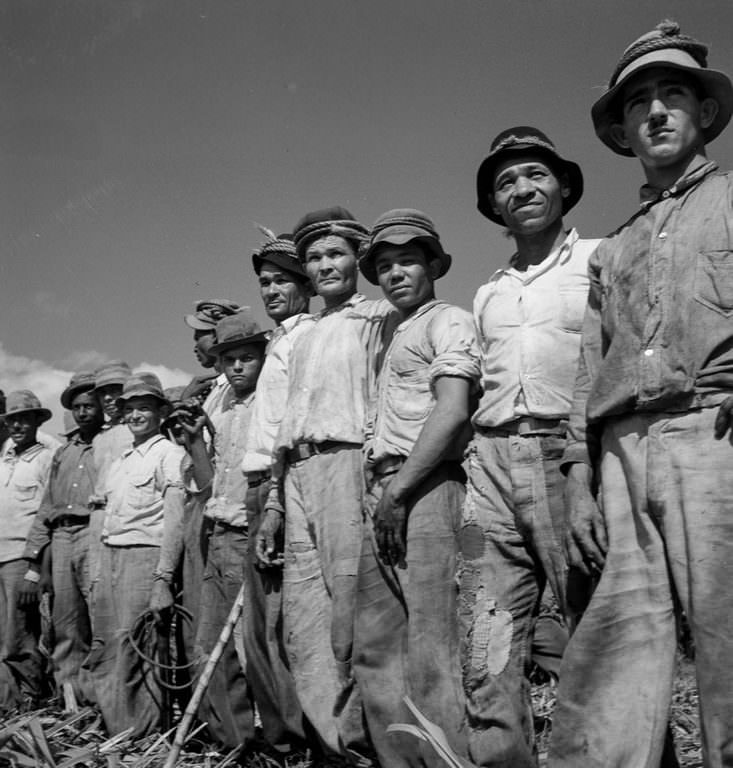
(49, 738)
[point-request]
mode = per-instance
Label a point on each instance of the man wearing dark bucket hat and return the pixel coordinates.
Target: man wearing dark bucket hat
(527, 319)
(654, 386)
(405, 636)
(144, 506)
(318, 472)
(25, 465)
(63, 523)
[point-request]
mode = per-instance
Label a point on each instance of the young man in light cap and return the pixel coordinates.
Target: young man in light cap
(318, 472)
(406, 636)
(143, 515)
(655, 385)
(286, 292)
(61, 530)
(527, 318)
(25, 465)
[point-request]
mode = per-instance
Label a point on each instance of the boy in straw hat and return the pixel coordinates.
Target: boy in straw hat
(655, 384)
(24, 469)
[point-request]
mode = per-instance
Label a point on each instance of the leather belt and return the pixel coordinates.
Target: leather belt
(303, 451)
(69, 521)
(230, 528)
(255, 479)
(528, 426)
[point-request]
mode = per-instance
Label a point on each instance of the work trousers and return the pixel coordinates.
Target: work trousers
(20, 659)
(71, 608)
(262, 628)
(406, 633)
(226, 706)
(510, 548)
(323, 532)
(196, 529)
(124, 686)
(667, 491)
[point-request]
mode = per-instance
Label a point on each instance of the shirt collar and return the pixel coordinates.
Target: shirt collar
(559, 255)
(230, 400)
(28, 454)
(352, 301)
(649, 194)
(143, 448)
(419, 312)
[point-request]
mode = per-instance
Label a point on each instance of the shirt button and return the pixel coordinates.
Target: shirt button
(68, 507)
(73, 485)
(662, 235)
(665, 194)
(648, 352)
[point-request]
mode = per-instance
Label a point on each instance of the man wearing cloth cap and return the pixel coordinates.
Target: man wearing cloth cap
(142, 517)
(331, 378)
(24, 469)
(527, 318)
(655, 384)
(405, 637)
(286, 291)
(63, 521)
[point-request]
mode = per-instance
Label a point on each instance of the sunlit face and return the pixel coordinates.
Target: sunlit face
(203, 341)
(282, 293)
(108, 395)
(406, 276)
(662, 118)
(527, 194)
(241, 365)
(143, 415)
(331, 265)
(87, 411)
(22, 428)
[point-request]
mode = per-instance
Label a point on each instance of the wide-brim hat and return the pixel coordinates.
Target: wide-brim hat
(518, 141)
(112, 372)
(82, 381)
(664, 47)
(208, 312)
(143, 384)
(280, 251)
(24, 401)
(398, 227)
(235, 330)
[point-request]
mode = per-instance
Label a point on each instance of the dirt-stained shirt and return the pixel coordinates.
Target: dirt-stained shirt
(109, 444)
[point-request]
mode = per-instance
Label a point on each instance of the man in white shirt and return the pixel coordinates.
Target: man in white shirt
(528, 319)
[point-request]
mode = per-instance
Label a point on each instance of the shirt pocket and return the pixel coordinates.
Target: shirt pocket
(141, 491)
(572, 301)
(25, 493)
(714, 281)
(412, 399)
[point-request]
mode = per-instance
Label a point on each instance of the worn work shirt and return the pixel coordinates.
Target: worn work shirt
(136, 484)
(332, 373)
(528, 328)
(109, 444)
(229, 485)
(272, 393)
(23, 481)
(658, 331)
(71, 482)
(437, 340)
(215, 399)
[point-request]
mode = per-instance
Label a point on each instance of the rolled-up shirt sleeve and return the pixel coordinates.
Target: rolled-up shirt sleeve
(456, 351)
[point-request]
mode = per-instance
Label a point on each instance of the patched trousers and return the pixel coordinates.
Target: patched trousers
(323, 533)
(406, 633)
(667, 490)
(510, 547)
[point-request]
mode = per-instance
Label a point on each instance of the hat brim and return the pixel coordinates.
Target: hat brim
(257, 338)
(716, 85)
(44, 413)
(561, 167)
(142, 392)
(68, 395)
(198, 325)
(367, 264)
(286, 263)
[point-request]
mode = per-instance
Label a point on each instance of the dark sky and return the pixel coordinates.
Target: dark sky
(141, 140)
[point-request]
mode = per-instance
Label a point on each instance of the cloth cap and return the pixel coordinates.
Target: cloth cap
(524, 140)
(280, 251)
(24, 401)
(397, 227)
(82, 381)
(664, 46)
(328, 221)
(235, 330)
(113, 372)
(207, 313)
(140, 385)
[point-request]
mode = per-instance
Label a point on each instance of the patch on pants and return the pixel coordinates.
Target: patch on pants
(491, 637)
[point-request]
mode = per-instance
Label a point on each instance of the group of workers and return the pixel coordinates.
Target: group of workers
(416, 502)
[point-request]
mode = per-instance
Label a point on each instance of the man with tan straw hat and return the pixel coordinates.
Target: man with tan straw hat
(651, 423)
(25, 465)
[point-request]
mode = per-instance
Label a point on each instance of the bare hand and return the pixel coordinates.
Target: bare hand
(586, 541)
(390, 521)
(161, 599)
(29, 593)
(724, 419)
(265, 541)
(192, 417)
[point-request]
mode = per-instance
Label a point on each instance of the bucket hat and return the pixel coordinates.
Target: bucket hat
(664, 46)
(24, 401)
(280, 251)
(208, 312)
(327, 221)
(82, 381)
(235, 330)
(112, 372)
(398, 227)
(524, 140)
(142, 384)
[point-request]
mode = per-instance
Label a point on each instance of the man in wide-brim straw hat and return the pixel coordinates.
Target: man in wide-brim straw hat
(655, 386)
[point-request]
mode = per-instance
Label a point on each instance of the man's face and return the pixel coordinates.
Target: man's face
(331, 265)
(527, 194)
(662, 118)
(406, 276)
(108, 395)
(203, 341)
(87, 412)
(282, 294)
(22, 428)
(143, 415)
(241, 365)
